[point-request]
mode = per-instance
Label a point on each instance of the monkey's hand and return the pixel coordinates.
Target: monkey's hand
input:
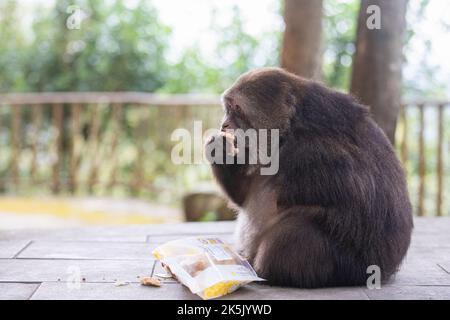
(221, 144)
(230, 143)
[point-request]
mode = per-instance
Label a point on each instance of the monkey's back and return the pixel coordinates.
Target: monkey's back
(340, 173)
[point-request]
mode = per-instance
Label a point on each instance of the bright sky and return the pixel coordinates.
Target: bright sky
(431, 29)
(190, 21)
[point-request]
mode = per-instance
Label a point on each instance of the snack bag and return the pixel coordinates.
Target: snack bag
(207, 266)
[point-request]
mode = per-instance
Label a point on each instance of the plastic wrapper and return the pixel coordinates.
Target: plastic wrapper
(208, 266)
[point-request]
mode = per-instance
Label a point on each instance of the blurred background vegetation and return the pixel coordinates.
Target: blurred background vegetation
(127, 46)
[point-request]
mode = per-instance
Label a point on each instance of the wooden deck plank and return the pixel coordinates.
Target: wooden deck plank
(193, 228)
(420, 273)
(133, 291)
(91, 234)
(428, 254)
(429, 240)
(431, 225)
(445, 266)
(31, 270)
(162, 239)
(100, 291)
(410, 293)
(88, 250)
(263, 292)
(129, 233)
(10, 248)
(17, 291)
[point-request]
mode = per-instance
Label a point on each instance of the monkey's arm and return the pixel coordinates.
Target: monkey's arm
(232, 177)
(233, 180)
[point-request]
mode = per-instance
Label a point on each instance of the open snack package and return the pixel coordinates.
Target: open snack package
(209, 267)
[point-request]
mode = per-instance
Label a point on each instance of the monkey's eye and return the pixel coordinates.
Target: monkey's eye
(232, 106)
(237, 108)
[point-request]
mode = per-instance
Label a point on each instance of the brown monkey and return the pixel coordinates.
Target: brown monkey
(338, 203)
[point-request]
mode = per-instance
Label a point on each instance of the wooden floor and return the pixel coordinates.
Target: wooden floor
(42, 265)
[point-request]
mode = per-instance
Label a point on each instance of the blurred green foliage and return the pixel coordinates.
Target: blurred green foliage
(122, 48)
(116, 49)
(119, 47)
(13, 51)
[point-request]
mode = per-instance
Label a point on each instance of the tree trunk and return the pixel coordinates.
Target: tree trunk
(377, 63)
(301, 53)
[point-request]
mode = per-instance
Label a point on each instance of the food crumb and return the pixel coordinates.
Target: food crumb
(149, 281)
(120, 283)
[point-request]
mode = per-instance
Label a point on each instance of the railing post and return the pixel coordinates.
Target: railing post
(36, 114)
(439, 163)
(75, 147)
(57, 123)
(140, 132)
(94, 128)
(16, 138)
(422, 165)
(117, 128)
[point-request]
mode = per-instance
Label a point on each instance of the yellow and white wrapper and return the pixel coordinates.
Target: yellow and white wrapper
(208, 266)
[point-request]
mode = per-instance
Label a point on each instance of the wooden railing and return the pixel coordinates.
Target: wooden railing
(423, 144)
(97, 142)
(119, 143)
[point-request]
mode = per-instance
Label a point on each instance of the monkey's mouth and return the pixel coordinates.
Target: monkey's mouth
(229, 130)
(228, 127)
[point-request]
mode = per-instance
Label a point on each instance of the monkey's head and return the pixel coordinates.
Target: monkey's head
(261, 99)
(271, 98)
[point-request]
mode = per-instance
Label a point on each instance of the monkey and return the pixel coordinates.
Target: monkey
(339, 201)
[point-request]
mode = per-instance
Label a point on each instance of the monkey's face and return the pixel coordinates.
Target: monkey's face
(259, 99)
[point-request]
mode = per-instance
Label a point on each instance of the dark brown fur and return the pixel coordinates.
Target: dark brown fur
(339, 201)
